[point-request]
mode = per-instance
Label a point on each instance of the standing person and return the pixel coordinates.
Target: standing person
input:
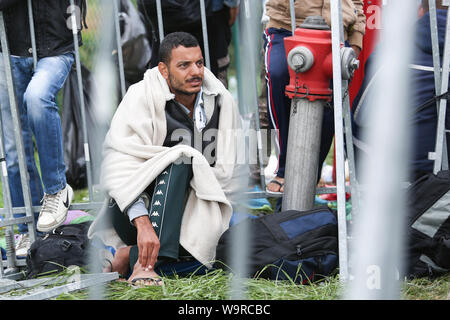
(163, 209)
(277, 72)
(423, 102)
(36, 90)
(220, 16)
(224, 14)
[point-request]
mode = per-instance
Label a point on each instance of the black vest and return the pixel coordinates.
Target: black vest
(181, 129)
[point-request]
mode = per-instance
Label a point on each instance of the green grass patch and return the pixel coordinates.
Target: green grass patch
(216, 285)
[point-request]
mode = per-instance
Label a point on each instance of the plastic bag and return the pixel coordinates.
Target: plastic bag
(73, 138)
(136, 50)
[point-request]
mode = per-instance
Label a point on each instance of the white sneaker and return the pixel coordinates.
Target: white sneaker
(54, 209)
(22, 245)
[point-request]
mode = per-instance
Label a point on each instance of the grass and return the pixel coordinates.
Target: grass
(216, 285)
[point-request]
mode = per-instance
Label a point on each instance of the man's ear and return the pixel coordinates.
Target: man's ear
(164, 70)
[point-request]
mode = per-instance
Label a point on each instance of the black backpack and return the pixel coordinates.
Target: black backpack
(428, 234)
(301, 246)
(64, 246)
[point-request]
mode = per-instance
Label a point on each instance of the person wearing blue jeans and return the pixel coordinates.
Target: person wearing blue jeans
(36, 88)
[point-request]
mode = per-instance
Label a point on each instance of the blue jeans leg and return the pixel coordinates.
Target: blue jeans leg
(43, 116)
(22, 72)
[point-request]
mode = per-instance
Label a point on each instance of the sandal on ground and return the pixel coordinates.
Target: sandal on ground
(141, 281)
(281, 184)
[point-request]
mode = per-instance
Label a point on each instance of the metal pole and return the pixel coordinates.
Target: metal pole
(119, 48)
(10, 250)
(205, 33)
(443, 103)
(292, 10)
(17, 130)
(32, 33)
(336, 40)
(160, 20)
(1, 266)
(302, 155)
(354, 186)
(437, 72)
(80, 90)
(249, 23)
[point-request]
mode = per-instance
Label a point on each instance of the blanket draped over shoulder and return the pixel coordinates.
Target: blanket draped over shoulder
(133, 156)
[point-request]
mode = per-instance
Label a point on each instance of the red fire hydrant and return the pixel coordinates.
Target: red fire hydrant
(310, 61)
(309, 56)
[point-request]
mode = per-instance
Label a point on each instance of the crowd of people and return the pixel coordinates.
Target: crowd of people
(165, 199)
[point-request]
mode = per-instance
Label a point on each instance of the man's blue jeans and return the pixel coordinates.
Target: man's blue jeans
(36, 99)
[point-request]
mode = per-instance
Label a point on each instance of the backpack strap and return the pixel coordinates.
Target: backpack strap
(432, 101)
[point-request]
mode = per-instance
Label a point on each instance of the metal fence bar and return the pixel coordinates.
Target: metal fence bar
(74, 206)
(119, 48)
(205, 33)
(32, 33)
(160, 20)
(6, 200)
(336, 36)
(354, 185)
(85, 281)
(443, 102)
(82, 103)
(246, 73)
(437, 71)
(292, 10)
(17, 130)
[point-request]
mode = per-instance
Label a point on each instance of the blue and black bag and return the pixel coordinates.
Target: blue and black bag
(428, 230)
(301, 246)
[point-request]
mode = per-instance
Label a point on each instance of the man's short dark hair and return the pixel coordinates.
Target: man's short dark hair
(438, 5)
(174, 40)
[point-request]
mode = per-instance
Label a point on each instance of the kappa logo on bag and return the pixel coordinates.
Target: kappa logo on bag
(65, 246)
(298, 245)
(429, 226)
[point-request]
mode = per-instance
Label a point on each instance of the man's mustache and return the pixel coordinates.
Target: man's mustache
(194, 79)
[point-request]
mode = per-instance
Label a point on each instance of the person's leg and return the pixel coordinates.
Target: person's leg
(219, 39)
(40, 101)
(327, 135)
(278, 104)
(22, 71)
(165, 212)
(167, 207)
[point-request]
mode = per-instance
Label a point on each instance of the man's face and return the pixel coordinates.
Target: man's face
(184, 74)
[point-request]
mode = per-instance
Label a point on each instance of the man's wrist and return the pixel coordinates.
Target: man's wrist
(141, 222)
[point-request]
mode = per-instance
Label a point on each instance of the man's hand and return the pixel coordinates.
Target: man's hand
(357, 50)
(233, 15)
(147, 241)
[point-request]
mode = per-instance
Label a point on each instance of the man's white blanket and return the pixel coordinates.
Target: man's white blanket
(133, 156)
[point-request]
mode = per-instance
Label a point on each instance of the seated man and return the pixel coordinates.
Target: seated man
(167, 198)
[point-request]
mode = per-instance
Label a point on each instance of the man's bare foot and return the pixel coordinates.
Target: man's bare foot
(121, 262)
(276, 185)
(144, 276)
